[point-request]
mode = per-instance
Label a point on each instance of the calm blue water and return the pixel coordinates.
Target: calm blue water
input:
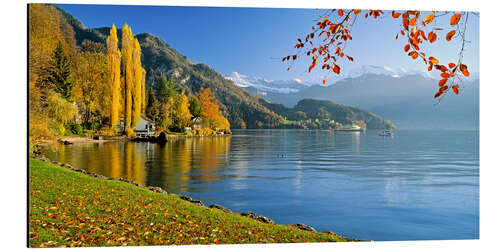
(419, 185)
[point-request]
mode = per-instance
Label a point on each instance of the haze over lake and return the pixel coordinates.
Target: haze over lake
(419, 185)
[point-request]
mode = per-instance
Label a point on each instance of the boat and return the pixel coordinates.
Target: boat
(353, 128)
(385, 132)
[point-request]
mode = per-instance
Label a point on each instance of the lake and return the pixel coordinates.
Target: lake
(418, 185)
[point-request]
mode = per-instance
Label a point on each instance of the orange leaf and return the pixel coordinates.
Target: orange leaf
(336, 69)
(455, 19)
(407, 47)
(357, 11)
(324, 80)
(464, 70)
(438, 94)
(432, 37)
(340, 12)
(451, 65)
(413, 54)
(443, 81)
(450, 35)
(405, 23)
(429, 18)
(395, 14)
(455, 89)
(433, 60)
(315, 61)
(413, 21)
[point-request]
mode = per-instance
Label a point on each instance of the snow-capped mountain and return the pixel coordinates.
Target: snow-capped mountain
(263, 85)
(388, 71)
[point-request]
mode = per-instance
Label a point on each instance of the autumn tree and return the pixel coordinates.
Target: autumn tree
(143, 88)
(182, 116)
(136, 83)
(91, 88)
(210, 107)
(114, 59)
(127, 75)
(326, 43)
(166, 116)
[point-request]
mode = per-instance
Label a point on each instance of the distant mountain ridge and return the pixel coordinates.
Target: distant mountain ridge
(405, 99)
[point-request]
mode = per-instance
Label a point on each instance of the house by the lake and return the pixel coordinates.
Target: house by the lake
(196, 123)
(144, 127)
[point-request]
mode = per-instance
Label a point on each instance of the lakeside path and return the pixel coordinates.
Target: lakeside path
(68, 208)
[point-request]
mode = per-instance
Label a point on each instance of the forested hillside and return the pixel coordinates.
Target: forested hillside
(242, 108)
(310, 113)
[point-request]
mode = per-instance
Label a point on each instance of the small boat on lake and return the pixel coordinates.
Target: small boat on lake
(353, 128)
(386, 133)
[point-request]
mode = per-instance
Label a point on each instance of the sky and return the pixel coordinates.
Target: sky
(252, 41)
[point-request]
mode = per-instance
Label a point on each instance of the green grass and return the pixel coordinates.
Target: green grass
(68, 208)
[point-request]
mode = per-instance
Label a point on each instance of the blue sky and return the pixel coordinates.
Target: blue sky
(252, 40)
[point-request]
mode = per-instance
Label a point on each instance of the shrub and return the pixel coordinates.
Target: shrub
(107, 132)
(77, 129)
(91, 125)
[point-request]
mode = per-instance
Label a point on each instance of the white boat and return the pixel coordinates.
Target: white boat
(386, 133)
(353, 128)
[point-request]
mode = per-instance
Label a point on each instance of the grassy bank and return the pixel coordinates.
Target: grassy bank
(68, 208)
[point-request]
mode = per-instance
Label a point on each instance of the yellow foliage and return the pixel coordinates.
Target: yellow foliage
(114, 57)
(137, 94)
(61, 110)
(181, 111)
(129, 132)
(209, 107)
(128, 75)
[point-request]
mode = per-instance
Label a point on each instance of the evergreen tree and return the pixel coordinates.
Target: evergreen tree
(166, 89)
(60, 72)
(194, 106)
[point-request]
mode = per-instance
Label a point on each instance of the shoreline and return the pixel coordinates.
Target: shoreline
(247, 214)
(102, 139)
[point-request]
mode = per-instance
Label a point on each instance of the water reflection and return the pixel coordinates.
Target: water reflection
(176, 166)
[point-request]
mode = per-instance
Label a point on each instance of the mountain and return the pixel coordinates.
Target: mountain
(402, 96)
(309, 110)
(242, 108)
(238, 105)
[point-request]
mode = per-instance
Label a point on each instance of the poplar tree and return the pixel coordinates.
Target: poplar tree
(137, 83)
(114, 57)
(143, 88)
(127, 73)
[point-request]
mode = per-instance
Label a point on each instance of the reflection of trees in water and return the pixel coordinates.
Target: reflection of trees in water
(175, 165)
(178, 164)
(214, 153)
